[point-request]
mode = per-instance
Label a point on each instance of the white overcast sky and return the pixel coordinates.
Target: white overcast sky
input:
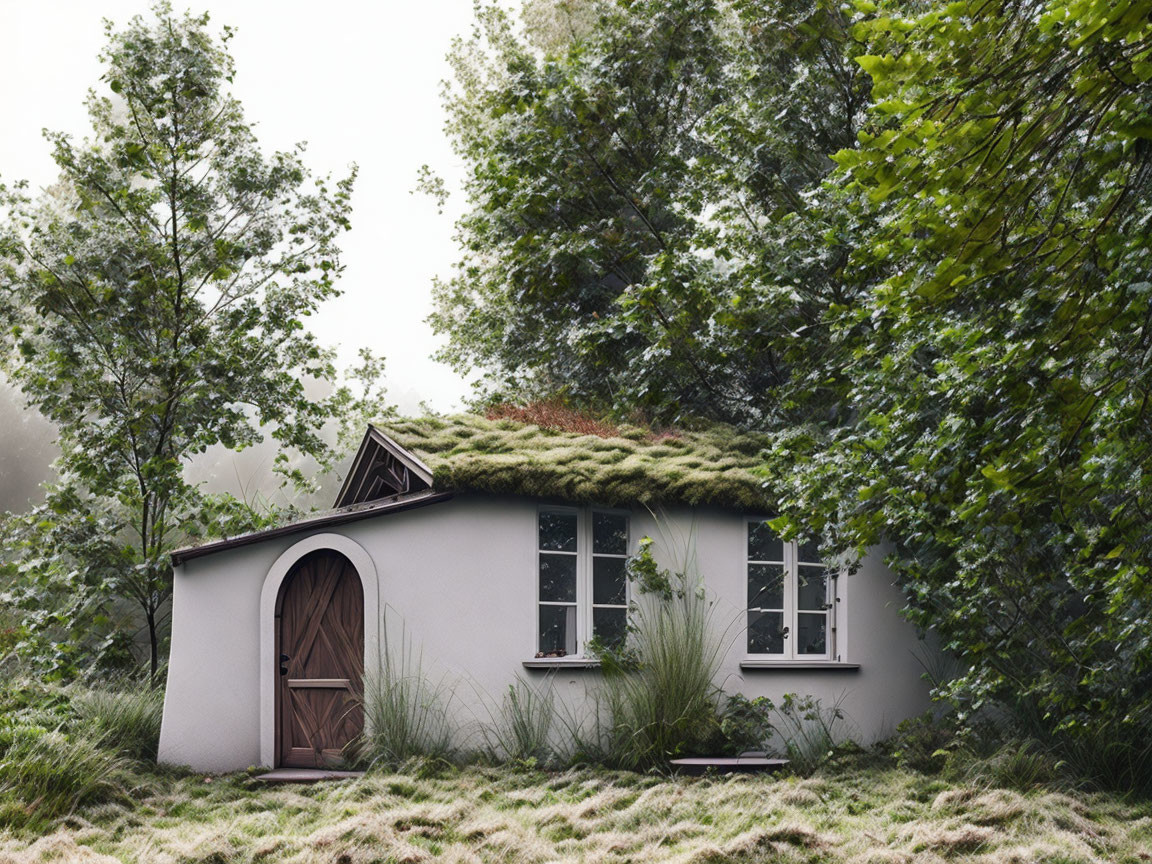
(359, 81)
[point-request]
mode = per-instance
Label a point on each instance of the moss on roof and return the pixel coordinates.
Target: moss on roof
(467, 452)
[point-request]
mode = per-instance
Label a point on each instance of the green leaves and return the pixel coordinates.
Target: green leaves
(948, 336)
(632, 188)
(999, 360)
(161, 286)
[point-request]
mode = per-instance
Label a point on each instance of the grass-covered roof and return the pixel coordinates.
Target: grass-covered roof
(612, 466)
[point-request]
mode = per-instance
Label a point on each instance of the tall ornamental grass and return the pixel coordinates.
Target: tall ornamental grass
(45, 774)
(405, 712)
(126, 718)
(520, 728)
(659, 695)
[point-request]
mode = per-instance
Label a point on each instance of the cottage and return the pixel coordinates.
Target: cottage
(501, 546)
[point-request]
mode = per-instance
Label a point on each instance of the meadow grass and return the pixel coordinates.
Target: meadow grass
(126, 717)
(863, 811)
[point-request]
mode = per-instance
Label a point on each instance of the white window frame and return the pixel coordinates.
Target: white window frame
(791, 611)
(584, 564)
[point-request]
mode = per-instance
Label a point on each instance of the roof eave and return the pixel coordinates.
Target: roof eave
(340, 517)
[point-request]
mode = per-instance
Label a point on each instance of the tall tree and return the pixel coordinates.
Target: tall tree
(1001, 368)
(153, 303)
(640, 232)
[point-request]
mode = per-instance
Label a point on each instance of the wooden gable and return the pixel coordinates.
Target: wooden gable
(382, 469)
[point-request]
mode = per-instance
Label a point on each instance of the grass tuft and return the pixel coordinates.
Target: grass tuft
(45, 775)
(126, 718)
(659, 691)
(520, 730)
(405, 713)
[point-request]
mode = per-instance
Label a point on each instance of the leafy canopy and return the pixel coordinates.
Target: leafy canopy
(909, 241)
(1000, 362)
(639, 231)
(153, 304)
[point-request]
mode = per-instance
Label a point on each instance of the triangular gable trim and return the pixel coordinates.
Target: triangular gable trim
(357, 486)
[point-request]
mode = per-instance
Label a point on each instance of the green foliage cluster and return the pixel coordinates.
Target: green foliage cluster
(999, 351)
(62, 748)
(640, 233)
(659, 699)
(468, 452)
(152, 306)
(812, 732)
(923, 742)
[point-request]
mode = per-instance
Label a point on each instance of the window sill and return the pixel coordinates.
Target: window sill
(561, 663)
(798, 665)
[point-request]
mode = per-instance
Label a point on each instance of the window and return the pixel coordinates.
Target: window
(791, 598)
(583, 591)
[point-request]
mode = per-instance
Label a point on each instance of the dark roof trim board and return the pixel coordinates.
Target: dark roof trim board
(341, 516)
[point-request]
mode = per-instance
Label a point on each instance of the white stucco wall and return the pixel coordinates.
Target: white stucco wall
(460, 577)
(885, 689)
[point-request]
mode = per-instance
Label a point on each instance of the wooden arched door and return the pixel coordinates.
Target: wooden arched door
(320, 652)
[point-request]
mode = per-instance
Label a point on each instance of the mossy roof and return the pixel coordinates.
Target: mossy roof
(467, 452)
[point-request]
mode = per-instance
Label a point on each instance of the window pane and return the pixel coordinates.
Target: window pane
(809, 553)
(765, 632)
(763, 544)
(558, 578)
(812, 637)
(558, 630)
(765, 586)
(610, 626)
(608, 581)
(609, 534)
(813, 588)
(558, 532)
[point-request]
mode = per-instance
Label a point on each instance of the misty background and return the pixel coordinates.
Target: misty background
(360, 83)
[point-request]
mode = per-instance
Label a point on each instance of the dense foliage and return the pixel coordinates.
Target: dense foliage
(1002, 368)
(640, 231)
(67, 747)
(947, 334)
(152, 305)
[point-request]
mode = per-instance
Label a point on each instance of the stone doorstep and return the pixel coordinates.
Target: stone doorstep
(306, 775)
(728, 764)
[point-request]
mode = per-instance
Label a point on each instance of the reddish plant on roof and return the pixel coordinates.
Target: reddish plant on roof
(553, 415)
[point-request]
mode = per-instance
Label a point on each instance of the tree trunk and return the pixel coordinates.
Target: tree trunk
(153, 645)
